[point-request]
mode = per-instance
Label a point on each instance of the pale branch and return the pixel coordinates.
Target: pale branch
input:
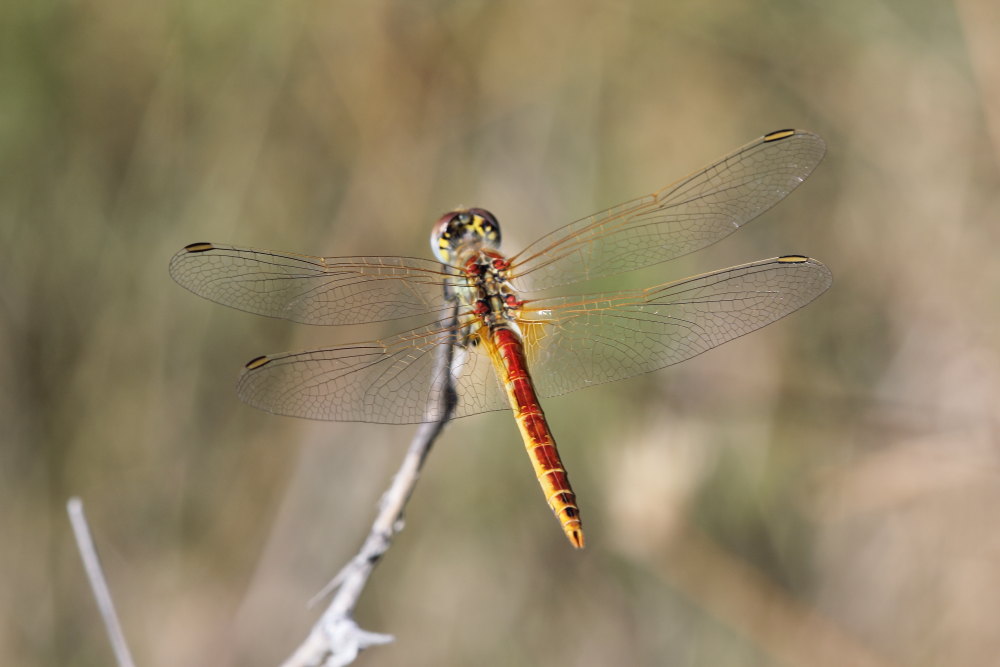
(98, 584)
(335, 640)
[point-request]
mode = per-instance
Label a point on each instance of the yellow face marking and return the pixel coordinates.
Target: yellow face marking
(464, 228)
(443, 248)
(477, 225)
(793, 259)
(257, 363)
(777, 136)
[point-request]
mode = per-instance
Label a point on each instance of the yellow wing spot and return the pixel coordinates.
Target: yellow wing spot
(793, 259)
(779, 135)
(254, 364)
(199, 247)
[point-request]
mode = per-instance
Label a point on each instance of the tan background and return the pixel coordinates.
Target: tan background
(822, 492)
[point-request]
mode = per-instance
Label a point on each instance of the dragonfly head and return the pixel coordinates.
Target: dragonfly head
(463, 230)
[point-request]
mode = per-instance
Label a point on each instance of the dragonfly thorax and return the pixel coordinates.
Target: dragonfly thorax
(459, 233)
(489, 294)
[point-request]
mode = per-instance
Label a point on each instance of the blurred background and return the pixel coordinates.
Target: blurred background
(819, 493)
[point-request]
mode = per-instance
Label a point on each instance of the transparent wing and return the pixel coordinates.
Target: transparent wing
(581, 341)
(388, 381)
(313, 290)
(572, 342)
(689, 215)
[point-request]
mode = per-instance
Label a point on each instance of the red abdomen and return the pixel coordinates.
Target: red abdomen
(538, 440)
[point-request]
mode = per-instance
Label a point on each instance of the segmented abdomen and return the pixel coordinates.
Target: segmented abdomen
(508, 350)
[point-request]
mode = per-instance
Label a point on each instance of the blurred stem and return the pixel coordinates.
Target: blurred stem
(98, 584)
(336, 639)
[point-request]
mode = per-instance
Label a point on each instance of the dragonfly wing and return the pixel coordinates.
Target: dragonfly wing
(689, 215)
(582, 341)
(313, 290)
(390, 381)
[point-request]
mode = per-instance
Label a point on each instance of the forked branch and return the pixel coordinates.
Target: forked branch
(336, 639)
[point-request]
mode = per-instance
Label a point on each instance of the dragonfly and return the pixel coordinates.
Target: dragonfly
(513, 343)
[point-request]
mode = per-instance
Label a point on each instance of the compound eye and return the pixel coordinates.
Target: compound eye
(489, 220)
(445, 233)
(444, 228)
(489, 226)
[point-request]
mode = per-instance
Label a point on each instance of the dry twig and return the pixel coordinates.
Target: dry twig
(98, 584)
(336, 639)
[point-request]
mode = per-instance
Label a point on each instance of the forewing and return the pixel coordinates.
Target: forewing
(689, 215)
(313, 290)
(390, 381)
(586, 340)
